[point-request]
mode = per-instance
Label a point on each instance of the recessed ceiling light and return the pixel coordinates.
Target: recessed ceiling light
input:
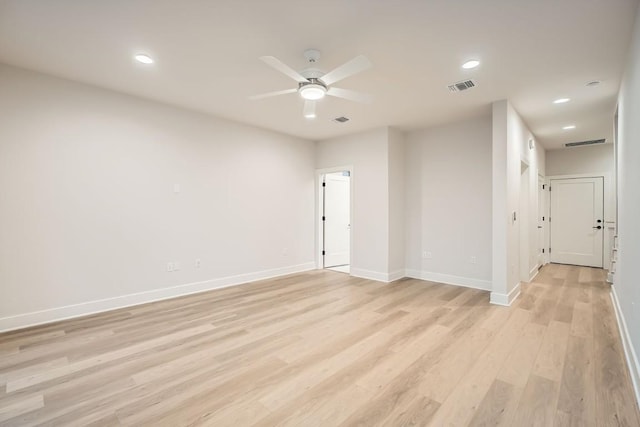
(310, 115)
(145, 59)
(561, 100)
(470, 64)
(569, 127)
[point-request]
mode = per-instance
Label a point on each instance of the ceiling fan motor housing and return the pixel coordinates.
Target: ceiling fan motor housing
(312, 73)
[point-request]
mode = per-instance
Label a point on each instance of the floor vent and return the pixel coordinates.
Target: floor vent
(578, 144)
(463, 85)
(341, 119)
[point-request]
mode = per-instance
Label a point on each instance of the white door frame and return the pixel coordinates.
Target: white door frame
(609, 225)
(319, 208)
(524, 222)
(542, 213)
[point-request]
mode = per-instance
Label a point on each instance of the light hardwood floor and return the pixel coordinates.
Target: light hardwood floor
(325, 349)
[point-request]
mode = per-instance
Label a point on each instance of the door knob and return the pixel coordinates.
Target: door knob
(598, 227)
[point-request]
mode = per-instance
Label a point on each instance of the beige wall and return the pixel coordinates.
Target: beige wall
(367, 152)
(514, 251)
(89, 218)
(396, 202)
(626, 280)
(580, 160)
(448, 203)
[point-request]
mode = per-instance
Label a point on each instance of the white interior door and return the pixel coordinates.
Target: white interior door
(337, 217)
(576, 221)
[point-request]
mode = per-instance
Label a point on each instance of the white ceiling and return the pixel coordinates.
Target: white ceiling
(206, 52)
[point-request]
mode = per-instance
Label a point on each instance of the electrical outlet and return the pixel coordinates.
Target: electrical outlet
(198, 263)
(473, 260)
(427, 254)
(170, 267)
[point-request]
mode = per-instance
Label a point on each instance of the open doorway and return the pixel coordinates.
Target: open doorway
(336, 221)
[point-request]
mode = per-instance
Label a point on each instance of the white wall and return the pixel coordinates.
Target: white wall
(519, 137)
(396, 203)
(88, 210)
(510, 149)
(501, 213)
(580, 160)
(524, 214)
(595, 160)
(368, 154)
(448, 203)
(627, 276)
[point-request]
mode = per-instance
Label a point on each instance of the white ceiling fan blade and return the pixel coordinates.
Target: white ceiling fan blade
(309, 109)
(284, 68)
(351, 95)
(356, 65)
(276, 93)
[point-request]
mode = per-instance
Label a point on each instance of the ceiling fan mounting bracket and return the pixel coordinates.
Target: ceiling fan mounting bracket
(312, 55)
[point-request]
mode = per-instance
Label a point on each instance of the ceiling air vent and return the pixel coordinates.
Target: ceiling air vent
(463, 85)
(591, 142)
(341, 119)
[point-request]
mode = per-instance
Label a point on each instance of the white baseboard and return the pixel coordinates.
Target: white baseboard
(466, 282)
(534, 272)
(629, 351)
(91, 307)
(505, 299)
(376, 275)
(395, 275)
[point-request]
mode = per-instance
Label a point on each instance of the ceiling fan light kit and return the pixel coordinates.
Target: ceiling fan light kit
(313, 90)
(313, 84)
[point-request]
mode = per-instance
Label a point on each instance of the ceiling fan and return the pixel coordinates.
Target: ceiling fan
(314, 84)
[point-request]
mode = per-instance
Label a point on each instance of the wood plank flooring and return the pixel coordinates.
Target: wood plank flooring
(325, 349)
